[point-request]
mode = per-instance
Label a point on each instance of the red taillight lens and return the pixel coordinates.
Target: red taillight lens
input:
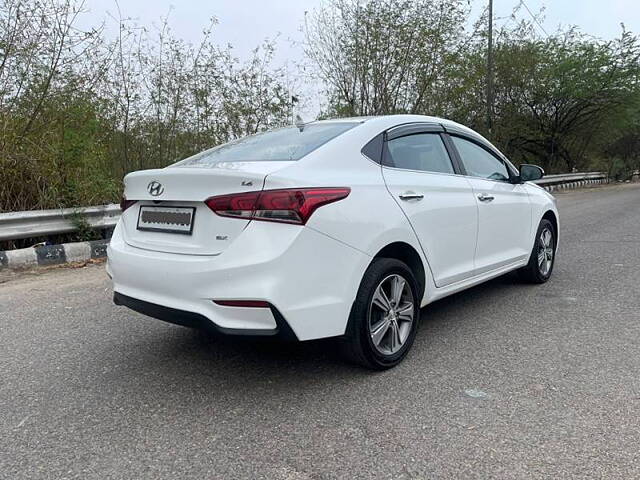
(239, 205)
(124, 203)
(294, 205)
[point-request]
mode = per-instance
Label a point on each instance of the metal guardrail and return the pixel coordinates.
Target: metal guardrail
(571, 180)
(564, 178)
(41, 223)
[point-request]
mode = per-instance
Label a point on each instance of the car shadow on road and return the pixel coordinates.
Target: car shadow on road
(180, 353)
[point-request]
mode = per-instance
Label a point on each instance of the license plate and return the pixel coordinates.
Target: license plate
(166, 219)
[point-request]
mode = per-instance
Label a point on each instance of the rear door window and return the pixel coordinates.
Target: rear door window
(423, 152)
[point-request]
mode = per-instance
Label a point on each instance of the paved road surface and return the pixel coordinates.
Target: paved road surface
(504, 381)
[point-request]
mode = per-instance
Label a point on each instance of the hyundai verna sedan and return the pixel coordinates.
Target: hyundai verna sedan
(336, 228)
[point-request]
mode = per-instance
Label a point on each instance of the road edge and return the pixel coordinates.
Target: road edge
(47, 255)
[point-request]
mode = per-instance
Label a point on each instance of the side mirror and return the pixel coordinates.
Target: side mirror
(529, 173)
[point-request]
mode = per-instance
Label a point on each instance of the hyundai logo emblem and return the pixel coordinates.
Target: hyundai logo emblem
(155, 188)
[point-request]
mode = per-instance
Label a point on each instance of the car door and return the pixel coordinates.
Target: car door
(504, 210)
(439, 203)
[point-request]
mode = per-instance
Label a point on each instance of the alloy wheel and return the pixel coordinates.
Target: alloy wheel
(545, 251)
(391, 314)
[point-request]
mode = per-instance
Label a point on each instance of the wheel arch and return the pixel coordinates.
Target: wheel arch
(409, 255)
(551, 216)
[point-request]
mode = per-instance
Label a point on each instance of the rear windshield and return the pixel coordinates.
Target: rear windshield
(290, 143)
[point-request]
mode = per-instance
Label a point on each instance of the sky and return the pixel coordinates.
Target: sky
(247, 23)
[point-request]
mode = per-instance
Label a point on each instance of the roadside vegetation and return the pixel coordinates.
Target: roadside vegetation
(80, 108)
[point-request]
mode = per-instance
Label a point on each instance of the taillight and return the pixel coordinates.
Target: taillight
(294, 205)
(124, 203)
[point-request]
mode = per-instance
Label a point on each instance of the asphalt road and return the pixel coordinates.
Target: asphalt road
(504, 381)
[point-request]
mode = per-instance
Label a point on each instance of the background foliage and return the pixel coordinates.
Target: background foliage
(79, 110)
(564, 101)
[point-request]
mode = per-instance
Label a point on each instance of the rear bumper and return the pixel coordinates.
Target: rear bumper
(308, 278)
(200, 322)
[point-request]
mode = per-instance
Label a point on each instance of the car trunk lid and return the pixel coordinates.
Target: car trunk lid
(164, 195)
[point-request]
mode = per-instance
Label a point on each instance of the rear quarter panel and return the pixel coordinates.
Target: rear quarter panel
(368, 219)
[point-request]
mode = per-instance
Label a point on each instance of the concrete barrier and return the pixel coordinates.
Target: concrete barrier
(53, 254)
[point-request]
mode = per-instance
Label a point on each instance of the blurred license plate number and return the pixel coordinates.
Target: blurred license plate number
(166, 219)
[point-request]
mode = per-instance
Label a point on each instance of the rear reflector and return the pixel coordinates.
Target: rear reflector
(294, 205)
(243, 303)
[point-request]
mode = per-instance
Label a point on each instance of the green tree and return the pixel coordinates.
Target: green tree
(559, 99)
(78, 111)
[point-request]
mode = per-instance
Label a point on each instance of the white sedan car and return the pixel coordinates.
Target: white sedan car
(337, 228)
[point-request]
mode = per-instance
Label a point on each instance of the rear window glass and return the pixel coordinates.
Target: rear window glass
(289, 143)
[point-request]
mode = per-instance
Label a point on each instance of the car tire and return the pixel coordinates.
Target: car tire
(543, 255)
(384, 317)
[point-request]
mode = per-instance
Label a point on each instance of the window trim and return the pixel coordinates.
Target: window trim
(458, 166)
(416, 129)
(373, 148)
(377, 147)
(486, 148)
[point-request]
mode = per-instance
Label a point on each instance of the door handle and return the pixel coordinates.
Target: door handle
(483, 197)
(411, 196)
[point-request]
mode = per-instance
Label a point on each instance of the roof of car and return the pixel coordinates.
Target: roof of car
(399, 119)
(344, 120)
(390, 121)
